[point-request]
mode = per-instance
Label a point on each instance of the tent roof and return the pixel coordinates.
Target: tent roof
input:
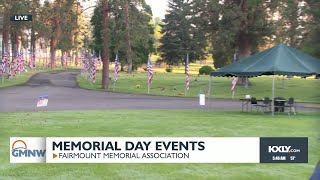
(278, 60)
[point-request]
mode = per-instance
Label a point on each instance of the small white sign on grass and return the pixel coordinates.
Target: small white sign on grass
(202, 99)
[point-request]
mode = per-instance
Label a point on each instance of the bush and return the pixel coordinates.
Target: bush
(205, 70)
(168, 69)
(159, 62)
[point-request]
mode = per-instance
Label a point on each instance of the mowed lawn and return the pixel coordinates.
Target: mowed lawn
(152, 123)
(173, 84)
(23, 77)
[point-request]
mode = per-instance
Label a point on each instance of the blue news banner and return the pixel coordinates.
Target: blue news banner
(283, 150)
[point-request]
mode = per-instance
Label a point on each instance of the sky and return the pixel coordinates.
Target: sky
(158, 7)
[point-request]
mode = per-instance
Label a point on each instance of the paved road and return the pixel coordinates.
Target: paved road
(64, 94)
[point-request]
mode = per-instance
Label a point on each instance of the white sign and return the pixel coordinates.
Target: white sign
(202, 99)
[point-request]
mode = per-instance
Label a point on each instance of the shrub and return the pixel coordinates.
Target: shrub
(159, 62)
(168, 69)
(205, 70)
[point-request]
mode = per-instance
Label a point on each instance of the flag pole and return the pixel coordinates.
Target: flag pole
(114, 80)
(3, 65)
(116, 71)
(209, 92)
(187, 75)
(273, 87)
(150, 73)
(148, 76)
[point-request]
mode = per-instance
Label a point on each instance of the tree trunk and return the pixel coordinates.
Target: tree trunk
(127, 26)
(121, 67)
(105, 49)
(54, 39)
(6, 39)
(33, 40)
(33, 36)
(6, 28)
(244, 43)
(14, 43)
(52, 52)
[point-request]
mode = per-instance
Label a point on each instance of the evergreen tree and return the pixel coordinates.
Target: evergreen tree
(181, 34)
(141, 42)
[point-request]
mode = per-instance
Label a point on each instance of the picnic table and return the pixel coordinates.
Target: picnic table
(246, 102)
(279, 103)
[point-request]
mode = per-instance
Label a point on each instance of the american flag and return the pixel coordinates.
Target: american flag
(21, 62)
(3, 66)
(234, 85)
(116, 68)
(187, 73)
(84, 63)
(150, 73)
(65, 59)
(33, 60)
(76, 61)
(46, 61)
(9, 69)
(92, 70)
(19, 66)
(30, 60)
(15, 65)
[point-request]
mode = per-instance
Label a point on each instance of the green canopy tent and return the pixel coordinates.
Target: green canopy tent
(278, 60)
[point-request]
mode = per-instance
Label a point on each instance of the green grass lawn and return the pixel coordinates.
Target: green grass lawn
(303, 90)
(22, 77)
(164, 123)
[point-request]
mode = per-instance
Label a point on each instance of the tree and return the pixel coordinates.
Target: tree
(235, 26)
(311, 44)
(181, 33)
(127, 30)
(142, 41)
(105, 48)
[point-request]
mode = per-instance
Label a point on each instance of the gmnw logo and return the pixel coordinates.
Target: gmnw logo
(20, 149)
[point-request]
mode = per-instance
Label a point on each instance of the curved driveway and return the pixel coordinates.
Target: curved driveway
(64, 94)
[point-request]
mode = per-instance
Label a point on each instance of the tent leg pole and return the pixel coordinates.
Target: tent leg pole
(273, 87)
(209, 93)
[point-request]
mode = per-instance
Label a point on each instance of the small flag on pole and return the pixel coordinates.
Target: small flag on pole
(42, 101)
(116, 68)
(65, 59)
(3, 65)
(76, 60)
(234, 85)
(93, 69)
(21, 60)
(33, 60)
(187, 73)
(9, 68)
(150, 73)
(15, 65)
